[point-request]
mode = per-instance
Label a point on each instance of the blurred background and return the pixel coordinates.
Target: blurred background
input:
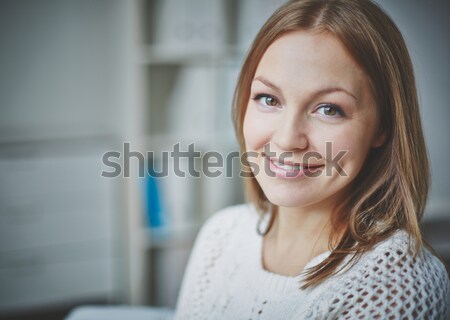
(79, 78)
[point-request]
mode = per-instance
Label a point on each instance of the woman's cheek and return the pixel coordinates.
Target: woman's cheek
(333, 145)
(257, 129)
(349, 151)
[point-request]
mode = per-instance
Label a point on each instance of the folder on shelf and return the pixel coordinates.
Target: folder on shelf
(154, 204)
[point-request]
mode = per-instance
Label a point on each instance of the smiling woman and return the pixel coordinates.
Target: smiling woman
(326, 99)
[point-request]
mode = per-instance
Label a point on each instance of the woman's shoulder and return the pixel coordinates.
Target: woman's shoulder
(230, 217)
(209, 259)
(227, 222)
(393, 259)
(396, 253)
(404, 283)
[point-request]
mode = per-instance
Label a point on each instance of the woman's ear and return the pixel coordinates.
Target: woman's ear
(379, 139)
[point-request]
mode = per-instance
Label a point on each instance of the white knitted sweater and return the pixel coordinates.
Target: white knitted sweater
(224, 279)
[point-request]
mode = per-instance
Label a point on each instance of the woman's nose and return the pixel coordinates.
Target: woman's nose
(291, 133)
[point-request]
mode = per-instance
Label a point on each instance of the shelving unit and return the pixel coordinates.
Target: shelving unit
(189, 54)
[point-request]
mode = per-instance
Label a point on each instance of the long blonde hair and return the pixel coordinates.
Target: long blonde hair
(389, 192)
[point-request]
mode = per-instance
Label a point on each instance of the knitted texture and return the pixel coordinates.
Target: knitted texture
(225, 279)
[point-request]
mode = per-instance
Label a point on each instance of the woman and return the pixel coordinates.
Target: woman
(337, 175)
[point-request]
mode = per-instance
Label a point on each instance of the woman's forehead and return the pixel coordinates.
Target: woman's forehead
(311, 60)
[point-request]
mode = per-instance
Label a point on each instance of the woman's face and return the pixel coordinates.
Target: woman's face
(311, 120)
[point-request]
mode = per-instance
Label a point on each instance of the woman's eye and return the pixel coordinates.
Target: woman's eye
(330, 110)
(267, 100)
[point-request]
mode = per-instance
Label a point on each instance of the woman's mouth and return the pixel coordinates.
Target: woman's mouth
(287, 169)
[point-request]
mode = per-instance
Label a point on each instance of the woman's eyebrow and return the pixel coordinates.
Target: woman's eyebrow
(317, 93)
(267, 83)
(334, 89)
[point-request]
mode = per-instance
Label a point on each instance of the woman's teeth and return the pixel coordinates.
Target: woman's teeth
(287, 167)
